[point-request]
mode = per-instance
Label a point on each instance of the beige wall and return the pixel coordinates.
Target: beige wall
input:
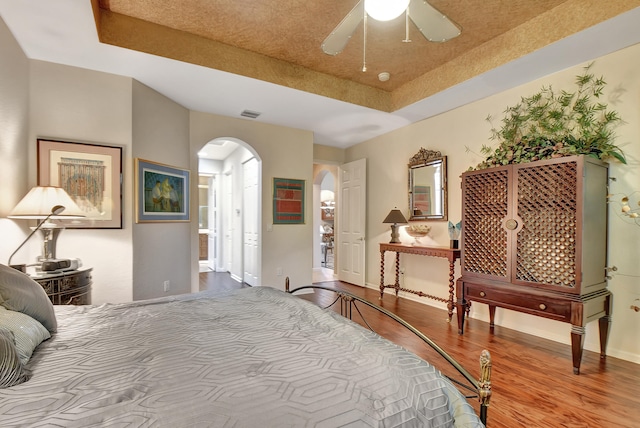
(452, 133)
(78, 105)
(328, 155)
(286, 153)
(14, 130)
(161, 251)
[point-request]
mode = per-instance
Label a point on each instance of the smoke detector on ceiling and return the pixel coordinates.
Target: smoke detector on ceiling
(384, 76)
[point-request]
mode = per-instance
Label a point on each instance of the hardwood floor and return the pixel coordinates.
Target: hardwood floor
(218, 281)
(532, 379)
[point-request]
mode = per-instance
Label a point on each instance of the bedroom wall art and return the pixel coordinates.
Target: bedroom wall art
(91, 174)
(162, 192)
(288, 201)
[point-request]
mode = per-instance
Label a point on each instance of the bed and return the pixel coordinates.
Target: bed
(252, 357)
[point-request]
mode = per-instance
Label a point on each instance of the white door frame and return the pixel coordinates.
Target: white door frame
(213, 221)
(227, 223)
(251, 217)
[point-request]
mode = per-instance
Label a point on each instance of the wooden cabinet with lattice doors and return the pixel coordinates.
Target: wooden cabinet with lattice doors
(534, 240)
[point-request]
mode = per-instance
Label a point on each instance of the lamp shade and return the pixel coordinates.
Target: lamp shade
(385, 10)
(41, 200)
(395, 216)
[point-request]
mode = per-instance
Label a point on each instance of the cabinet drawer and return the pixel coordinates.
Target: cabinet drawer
(72, 282)
(548, 307)
(79, 297)
(82, 279)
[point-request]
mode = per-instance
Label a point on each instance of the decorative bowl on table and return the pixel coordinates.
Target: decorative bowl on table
(417, 231)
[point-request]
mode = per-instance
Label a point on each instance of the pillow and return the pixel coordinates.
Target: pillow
(20, 293)
(12, 371)
(27, 332)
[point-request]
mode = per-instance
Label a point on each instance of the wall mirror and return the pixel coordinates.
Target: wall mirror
(428, 186)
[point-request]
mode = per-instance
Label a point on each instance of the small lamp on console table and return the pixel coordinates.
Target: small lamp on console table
(45, 203)
(395, 217)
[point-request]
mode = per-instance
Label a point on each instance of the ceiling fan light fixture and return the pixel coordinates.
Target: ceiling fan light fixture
(385, 10)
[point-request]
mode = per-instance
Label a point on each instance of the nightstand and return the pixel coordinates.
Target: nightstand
(67, 288)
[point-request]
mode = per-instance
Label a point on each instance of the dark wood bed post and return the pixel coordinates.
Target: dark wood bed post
(484, 384)
(286, 284)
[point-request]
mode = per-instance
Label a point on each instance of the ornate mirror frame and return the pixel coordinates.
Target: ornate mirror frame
(428, 186)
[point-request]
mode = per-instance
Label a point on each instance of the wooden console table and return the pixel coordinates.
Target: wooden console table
(451, 254)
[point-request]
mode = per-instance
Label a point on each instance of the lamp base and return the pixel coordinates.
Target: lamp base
(50, 238)
(395, 236)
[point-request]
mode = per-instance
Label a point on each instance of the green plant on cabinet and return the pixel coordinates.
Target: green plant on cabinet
(551, 124)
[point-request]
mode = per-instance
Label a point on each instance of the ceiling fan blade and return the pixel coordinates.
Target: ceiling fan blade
(339, 37)
(433, 25)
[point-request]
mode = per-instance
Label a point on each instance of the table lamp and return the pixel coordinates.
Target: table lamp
(395, 217)
(45, 203)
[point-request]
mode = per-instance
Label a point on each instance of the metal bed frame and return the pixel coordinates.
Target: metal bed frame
(479, 388)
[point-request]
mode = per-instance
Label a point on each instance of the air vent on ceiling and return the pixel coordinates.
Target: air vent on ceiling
(250, 114)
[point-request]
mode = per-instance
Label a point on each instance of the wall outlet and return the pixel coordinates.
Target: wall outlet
(279, 271)
(167, 285)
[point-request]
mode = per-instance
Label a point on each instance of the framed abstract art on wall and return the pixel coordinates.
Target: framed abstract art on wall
(91, 174)
(288, 201)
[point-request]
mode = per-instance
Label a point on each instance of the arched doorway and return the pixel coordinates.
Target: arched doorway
(324, 215)
(232, 170)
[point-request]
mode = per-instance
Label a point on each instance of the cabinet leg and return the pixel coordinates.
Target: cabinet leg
(460, 305)
(605, 325)
(492, 316)
(577, 343)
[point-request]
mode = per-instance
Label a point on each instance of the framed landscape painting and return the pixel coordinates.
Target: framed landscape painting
(91, 174)
(288, 201)
(162, 192)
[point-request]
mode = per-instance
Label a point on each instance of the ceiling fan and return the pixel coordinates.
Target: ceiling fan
(433, 25)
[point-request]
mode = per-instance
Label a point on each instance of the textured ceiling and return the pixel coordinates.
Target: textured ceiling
(280, 41)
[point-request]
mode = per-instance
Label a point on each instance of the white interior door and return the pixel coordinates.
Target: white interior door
(352, 201)
(250, 222)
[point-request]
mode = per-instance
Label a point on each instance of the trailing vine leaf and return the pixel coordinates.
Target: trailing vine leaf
(551, 124)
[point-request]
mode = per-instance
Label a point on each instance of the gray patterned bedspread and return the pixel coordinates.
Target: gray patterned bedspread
(254, 357)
